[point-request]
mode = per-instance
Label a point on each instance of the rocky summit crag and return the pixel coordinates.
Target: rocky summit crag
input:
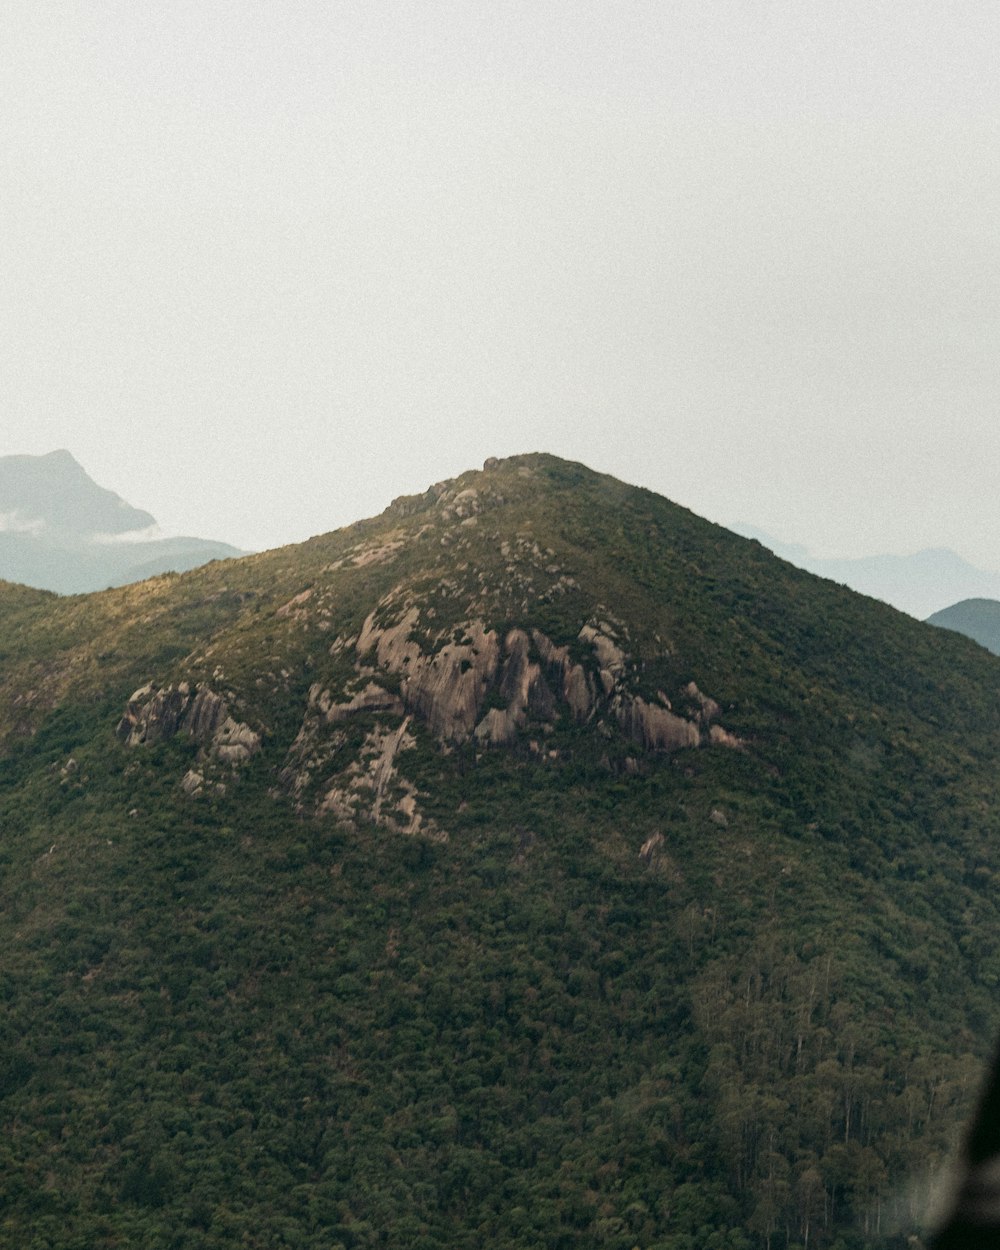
(535, 864)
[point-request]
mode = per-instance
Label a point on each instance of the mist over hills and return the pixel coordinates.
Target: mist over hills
(919, 584)
(535, 864)
(60, 531)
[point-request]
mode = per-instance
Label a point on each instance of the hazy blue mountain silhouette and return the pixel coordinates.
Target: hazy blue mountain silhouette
(920, 584)
(60, 531)
(978, 619)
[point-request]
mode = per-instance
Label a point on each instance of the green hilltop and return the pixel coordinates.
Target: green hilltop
(533, 865)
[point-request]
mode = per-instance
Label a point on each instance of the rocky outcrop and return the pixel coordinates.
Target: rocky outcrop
(371, 787)
(708, 709)
(577, 685)
(528, 679)
(497, 728)
(656, 728)
(294, 609)
(234, 742)
(524, 690)
(206, 714)
(371, 699)
(445, 688)
(460, 684)
(154, 715)
(649, 848)
(719, 737)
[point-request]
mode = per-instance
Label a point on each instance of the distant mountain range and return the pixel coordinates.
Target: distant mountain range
(60, 531)
(920, 584)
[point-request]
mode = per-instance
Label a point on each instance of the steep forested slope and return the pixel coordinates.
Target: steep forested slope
(533, 865)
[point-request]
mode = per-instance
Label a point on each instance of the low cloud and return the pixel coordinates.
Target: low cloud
(14, 523)
(147, 535)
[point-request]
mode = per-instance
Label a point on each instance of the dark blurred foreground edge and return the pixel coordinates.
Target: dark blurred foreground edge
(974, 1220)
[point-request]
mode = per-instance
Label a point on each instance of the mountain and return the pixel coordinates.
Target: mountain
(917, 584)
(535, 864)
(976, 618)
(60, 531)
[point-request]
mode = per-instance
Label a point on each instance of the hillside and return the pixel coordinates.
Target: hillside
(60, 531)
(534, 865)
(978, 619)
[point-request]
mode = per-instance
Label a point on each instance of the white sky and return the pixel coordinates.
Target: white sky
(267, 265)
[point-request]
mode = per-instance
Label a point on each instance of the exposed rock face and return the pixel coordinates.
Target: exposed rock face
(497, 728)
(576, 683)
(294, 608)
(462, 683)
(445, 689)
(720, 737)
(206, 714)
(649, 848)
(708, 708)
(523, 688)
(234, 742)
(154, 715)
(371, 787)
(656, 728)
(371, 699)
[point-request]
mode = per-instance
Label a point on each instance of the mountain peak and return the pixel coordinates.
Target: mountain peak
(60, 531)
(535, 827)
(55, 494)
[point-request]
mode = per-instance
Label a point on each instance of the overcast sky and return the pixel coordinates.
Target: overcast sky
(267, 265)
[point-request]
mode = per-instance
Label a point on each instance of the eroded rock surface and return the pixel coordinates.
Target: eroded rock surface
(446, 688)
(656, 728)
(464, 683)
(371, 787)
(155, 715)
